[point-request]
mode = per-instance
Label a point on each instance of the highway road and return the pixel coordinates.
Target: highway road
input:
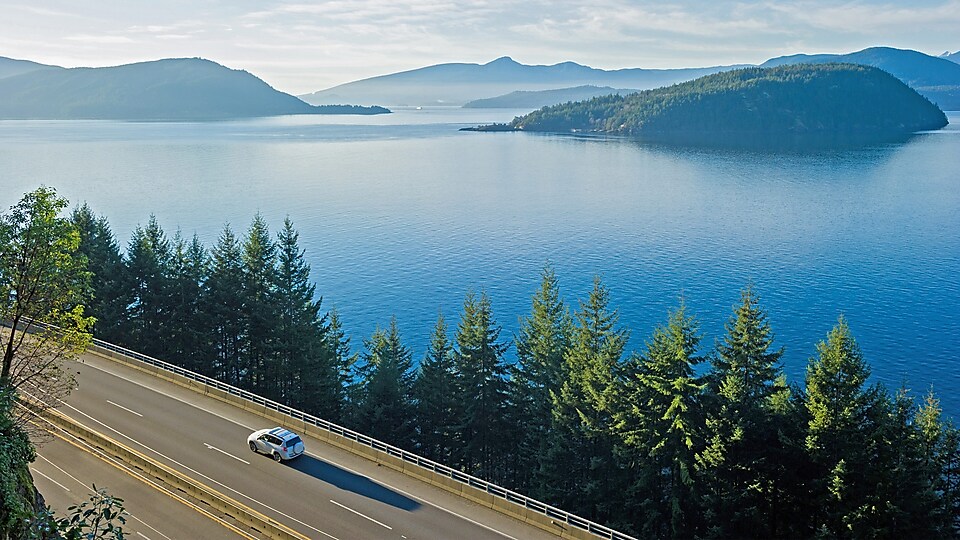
(326, 493)
(65, 470)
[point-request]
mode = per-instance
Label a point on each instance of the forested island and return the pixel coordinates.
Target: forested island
(679, 439)
(174, 89)
(802, 99)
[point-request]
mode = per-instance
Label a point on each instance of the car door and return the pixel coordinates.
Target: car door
(262, 444)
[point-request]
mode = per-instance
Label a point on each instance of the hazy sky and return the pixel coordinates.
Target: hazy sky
(301, 47)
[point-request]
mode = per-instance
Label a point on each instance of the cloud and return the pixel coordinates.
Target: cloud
(99, 39)
(869, 18)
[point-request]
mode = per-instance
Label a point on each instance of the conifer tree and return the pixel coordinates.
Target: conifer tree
(661, 420)
(839, 406)
(579, 469)
(225, 306)
(111, 291)
(741, 426)
(259, 255)
(148, 264)
(384, 410)
(186, 337)
(436, 397)
(342, 360)
(543, 340)
(900, 500)
(483, 387)
(303, 359)
(939, 443)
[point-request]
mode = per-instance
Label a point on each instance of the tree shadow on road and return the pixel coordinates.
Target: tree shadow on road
(349, 481)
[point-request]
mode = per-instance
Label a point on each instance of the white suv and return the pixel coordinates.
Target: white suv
(277, 442)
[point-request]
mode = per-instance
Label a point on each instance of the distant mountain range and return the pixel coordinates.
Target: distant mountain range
(171, 89)
(753, 105)
(936, 78)
(457, 84)
(523, 99)
(506, 83)
(953, 57)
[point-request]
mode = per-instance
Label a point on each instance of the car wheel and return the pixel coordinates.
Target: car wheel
(276, 457)
(253, 446)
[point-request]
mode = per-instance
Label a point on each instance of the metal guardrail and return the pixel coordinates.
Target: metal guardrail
(409, 457)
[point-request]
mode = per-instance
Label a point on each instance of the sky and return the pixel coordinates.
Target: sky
(301, 47)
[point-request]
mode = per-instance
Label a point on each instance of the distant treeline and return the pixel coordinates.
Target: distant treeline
(678, 440)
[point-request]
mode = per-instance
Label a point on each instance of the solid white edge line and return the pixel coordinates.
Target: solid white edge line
(75, 479)
(344, 467)
(50, 479)
(345, 507)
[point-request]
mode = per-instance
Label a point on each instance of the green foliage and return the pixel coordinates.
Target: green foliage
(100, 517)
(483, 390)
(384, 405)
(43, 278)
(436, 397)
(660, 444)
(16, 487)
(578, 467)
(741, 420)
(542, 343)
(110, 287)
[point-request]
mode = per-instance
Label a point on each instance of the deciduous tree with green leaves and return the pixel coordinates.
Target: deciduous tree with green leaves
(43, 279)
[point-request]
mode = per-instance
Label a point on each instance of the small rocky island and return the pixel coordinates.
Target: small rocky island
(843, 100)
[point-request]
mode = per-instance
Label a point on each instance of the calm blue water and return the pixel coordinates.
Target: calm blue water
(402, 214)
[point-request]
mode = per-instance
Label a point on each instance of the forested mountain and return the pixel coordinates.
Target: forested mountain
(456, 84)
(681, 439)
(543, 98)
(937, 79)
(172, 89)
(10, 67)
(796, 99)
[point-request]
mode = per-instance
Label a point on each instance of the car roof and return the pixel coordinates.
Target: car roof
(284, 434)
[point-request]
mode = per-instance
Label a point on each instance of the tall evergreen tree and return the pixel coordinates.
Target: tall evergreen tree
(225, 306)
(543, 340)
(939, 443)
(742, 426)
(579, 470)
(110, 287)
(304, 361)
(337, 343)
(482, 379)
(838, 434)
(436, 397)
(148, 264)
(186, 337)
(661, 419)
(384, 409)
(259, 255)
(900, 499)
